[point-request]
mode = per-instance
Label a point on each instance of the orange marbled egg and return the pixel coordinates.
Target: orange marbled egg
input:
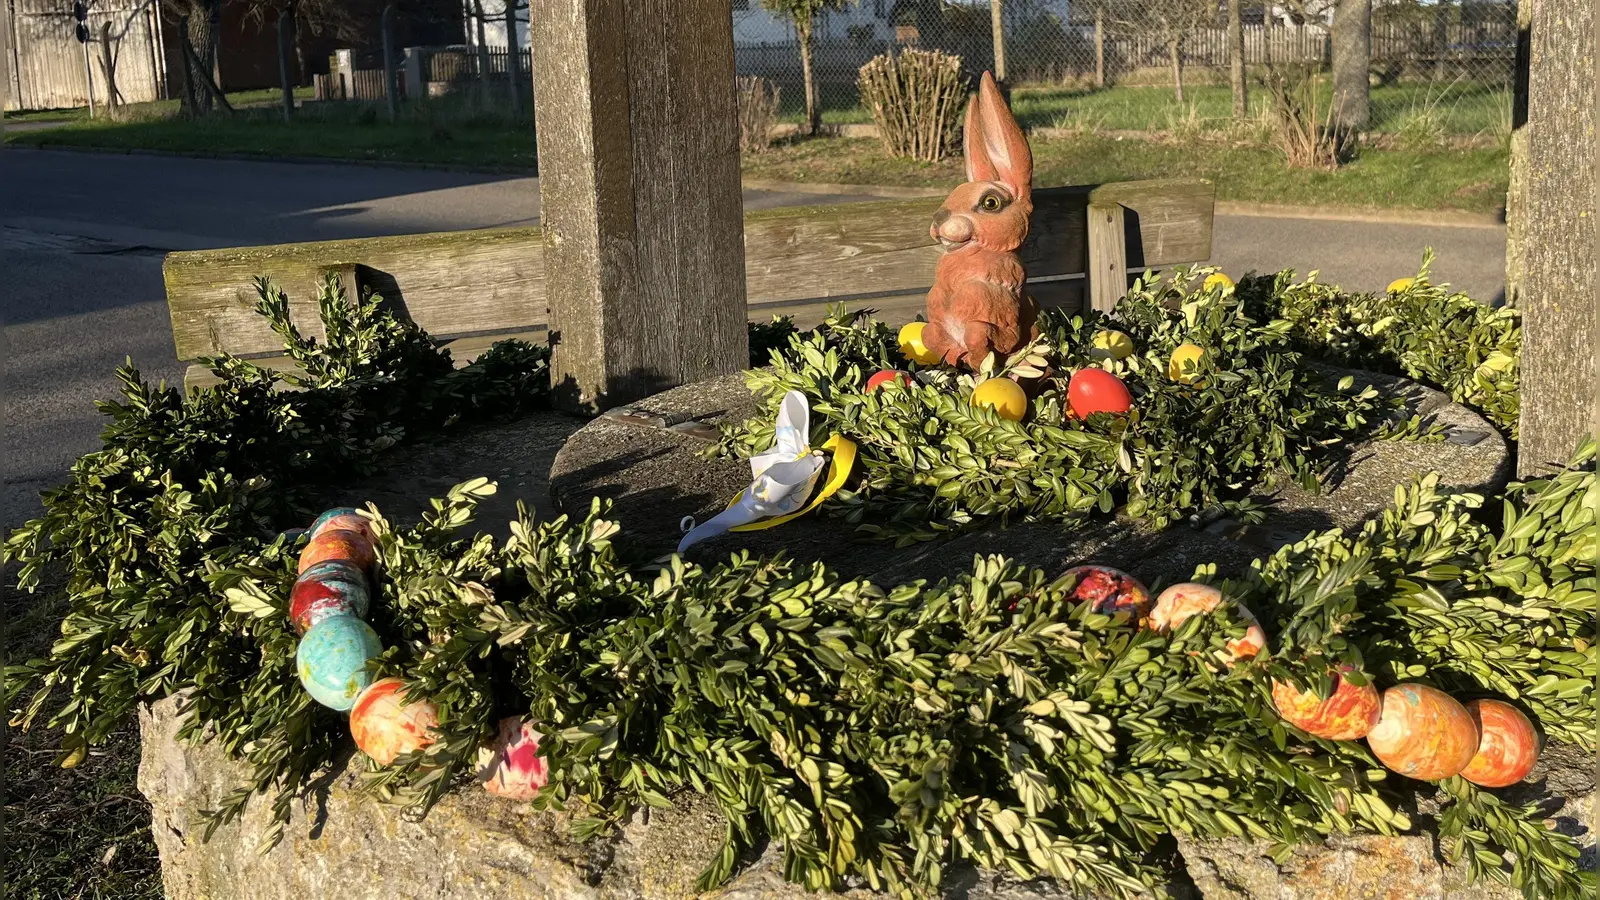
(1345, 715)
(1508, 745)
(1178, 603)
(1423, 733)
(386, 722)
(339, 544)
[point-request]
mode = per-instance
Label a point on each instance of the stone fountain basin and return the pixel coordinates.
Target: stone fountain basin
(471, 845)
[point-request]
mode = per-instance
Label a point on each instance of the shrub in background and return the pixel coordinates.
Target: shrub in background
(916, 97)
(758, 112)
(1304, 121)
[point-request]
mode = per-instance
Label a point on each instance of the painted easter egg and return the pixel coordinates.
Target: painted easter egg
(332, 659)
(1178, 603)
(1111, 344)
(912, 347)
(344, 517)
(887, 376)
(1093, 391)
(1508, 745)
(1109, 590)
(332, 588)
(386, 721)
(1216, 279)
(1184, 366)
(511, 766)
(1423, 733)
(1401, 285)
(1004, 396)
(1344, 715)
(338, 544)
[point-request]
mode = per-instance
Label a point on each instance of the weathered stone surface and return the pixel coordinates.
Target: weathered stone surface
(470, 846)
(657, 475)
(1408, 867)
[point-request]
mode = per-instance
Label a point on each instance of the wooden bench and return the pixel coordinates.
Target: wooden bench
(472, 288)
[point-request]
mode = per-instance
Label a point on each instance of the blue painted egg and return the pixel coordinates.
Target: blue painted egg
(325, 590)
(332, 660)
(344, 517)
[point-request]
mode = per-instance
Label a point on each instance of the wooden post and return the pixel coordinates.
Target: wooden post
(1099, 47)
(285, 47)
(1557, 234)
(639, 186)
(1108, 256)
(5, 67)
(391, 87)
(997, 29)
(514, 55)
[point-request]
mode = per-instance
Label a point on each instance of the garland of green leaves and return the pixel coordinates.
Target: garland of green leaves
(882, 733)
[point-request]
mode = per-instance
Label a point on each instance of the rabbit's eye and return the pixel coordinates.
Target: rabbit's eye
(990, 203)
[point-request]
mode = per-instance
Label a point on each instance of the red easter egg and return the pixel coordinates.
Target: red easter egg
(1110, 590)
(338, 544)
(511, 766)
(386, 722)
(1423, 733)
(1508, 745)
(1345, 715)
(328, 589)
(1097, 391)
(879, 379)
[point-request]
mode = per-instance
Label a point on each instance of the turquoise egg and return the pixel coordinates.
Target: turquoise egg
(333, 514)
(332, 660)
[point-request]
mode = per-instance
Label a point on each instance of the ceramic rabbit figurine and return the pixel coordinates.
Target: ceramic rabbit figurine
(979, 302)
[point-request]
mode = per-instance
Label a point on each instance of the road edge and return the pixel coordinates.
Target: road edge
(1440, 218)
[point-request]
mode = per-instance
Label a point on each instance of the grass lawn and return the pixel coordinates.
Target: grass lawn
(459, 133)
(153, 109)
(439, 133)
(1457, 109)
(1472, 180)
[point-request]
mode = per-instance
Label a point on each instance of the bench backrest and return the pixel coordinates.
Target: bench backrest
(475, 287)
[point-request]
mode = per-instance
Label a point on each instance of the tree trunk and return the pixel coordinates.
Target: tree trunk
(997, 31)
(1175, 51)
(1352, 60)
(1266, 33)
(802, 31)
(1441, 36)
(1241, 103)
(1559, 271)
(483, 55)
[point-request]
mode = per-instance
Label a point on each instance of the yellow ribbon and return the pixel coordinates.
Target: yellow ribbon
(844, 458)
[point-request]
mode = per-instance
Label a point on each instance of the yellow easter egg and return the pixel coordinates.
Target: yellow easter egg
(1111, 344)
(1215, 279)
(911, 346)
(1004, 396)
(1184, 366)
(1401, 285)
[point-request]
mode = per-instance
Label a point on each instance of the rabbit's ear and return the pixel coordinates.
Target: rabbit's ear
(996, 148)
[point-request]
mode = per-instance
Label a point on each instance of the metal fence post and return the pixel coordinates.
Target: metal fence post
(390, 89)
(285, 36)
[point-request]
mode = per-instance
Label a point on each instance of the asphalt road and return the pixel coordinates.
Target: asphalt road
(82, 236)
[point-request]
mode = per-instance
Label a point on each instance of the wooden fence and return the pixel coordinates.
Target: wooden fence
(47, 66)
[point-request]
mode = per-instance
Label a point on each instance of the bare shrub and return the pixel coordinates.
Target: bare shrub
(758, 112)
(1305, 127)
(916, 97)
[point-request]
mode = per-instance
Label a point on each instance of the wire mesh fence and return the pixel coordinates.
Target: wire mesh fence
(1440, 69)
(1441, 65)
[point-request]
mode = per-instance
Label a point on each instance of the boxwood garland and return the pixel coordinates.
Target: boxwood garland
(877, 732)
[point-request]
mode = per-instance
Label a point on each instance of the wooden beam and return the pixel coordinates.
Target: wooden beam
(639, 186)
(457, 284)
(1558, 281)
(1108, 256)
